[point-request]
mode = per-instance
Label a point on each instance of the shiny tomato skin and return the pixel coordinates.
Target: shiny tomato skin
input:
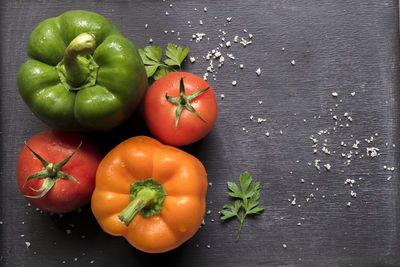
(54, 146)
(159, 113)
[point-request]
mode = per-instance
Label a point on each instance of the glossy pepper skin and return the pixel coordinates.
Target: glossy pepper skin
(81, 73)
(183, 178)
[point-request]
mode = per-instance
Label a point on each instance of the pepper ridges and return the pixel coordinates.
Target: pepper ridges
(81, 73)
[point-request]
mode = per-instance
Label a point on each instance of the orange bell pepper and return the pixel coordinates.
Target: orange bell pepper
(150, 193)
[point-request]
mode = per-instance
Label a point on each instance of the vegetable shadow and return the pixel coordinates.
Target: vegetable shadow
(173, 258)
(134, 126)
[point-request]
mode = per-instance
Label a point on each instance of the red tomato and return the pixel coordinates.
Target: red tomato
(160, 113)
(55, 146)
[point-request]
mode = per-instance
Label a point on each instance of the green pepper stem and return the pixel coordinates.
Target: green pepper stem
(144, 198)
(77, 68)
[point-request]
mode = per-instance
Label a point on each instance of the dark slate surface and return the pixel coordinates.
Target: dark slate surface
(338, 46)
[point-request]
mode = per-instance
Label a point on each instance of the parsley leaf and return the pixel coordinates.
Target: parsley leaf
(248, 198)
(161, 72)
(152, 55)
(175, 55)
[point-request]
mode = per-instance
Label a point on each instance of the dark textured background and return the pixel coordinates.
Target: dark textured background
(338, 46)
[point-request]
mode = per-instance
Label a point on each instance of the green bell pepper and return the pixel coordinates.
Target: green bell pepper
(81, 73)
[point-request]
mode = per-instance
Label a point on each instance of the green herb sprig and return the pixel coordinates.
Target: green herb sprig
(248, 198)
(151, 57)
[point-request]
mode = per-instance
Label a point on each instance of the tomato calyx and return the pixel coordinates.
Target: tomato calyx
(51, 173)
(183, 101)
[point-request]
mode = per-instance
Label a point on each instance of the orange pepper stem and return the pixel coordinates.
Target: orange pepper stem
(144, 198)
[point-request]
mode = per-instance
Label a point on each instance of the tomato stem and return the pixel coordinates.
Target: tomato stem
(183, 101)
(51, 173)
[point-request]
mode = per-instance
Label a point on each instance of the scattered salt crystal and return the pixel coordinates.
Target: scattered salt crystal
(245, 42)
(258, 72)
(234, 83)
(316, 165)
(328, 166)
(372, 151)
